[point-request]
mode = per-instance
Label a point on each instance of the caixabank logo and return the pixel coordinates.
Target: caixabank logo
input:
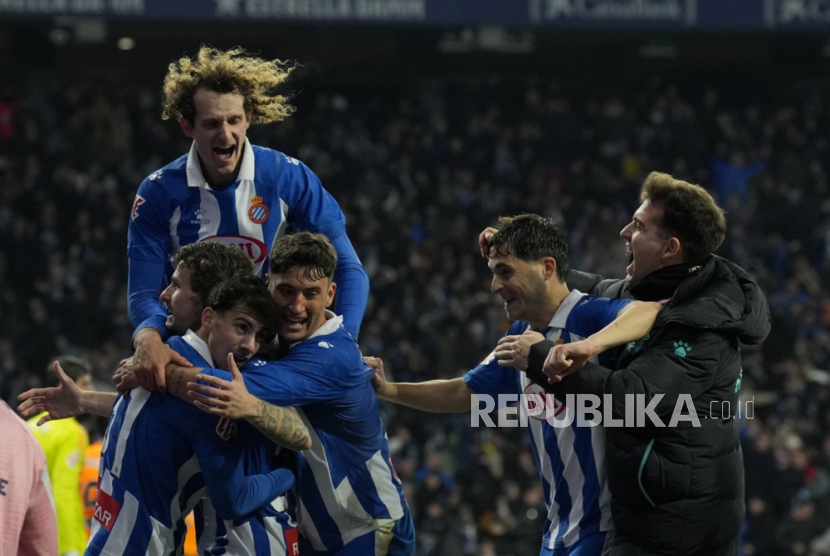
(796, 13)
(682, 12)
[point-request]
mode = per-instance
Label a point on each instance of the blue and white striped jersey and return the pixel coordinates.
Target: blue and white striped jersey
(159, 456)
(271, 530)
(346, 483)
(570, 459)
(275, 194)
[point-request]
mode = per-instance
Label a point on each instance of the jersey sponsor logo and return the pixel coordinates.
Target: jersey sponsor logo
(291, 160)
(139, 200)
(292, 541)
(156, 175)
(252, 247)
(535, 399)
(106, 510)
(258, 213)
(199, 217)
(226, 429)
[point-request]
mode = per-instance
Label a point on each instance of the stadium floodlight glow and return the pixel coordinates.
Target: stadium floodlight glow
(126, 43)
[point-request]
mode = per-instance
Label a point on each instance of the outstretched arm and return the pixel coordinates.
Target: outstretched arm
(64, 400)
(632, 323)
(434, 396)
(231, 399)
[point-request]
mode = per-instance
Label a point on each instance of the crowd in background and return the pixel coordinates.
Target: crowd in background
(419, 172)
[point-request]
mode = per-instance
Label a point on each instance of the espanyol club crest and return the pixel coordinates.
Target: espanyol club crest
(258, 213)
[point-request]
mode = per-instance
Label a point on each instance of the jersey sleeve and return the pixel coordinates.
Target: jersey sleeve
(313, 209)
(303, 380)
(232, 493)
(148, 243)
(591, 314)
(490, 379)
(352, 284)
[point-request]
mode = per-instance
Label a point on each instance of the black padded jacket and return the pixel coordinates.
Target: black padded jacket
(677, 489)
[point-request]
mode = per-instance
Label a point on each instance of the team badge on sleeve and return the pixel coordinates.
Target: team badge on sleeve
(258, 213)
(139, 200)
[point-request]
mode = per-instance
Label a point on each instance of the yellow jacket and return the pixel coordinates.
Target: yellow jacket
(65, 442)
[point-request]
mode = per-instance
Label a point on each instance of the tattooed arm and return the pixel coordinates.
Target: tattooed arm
(231, 399)
(281, 425)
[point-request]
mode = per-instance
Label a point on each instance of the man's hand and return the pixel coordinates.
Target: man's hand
(151, 357)
(566, 359)
(379, 382)
(484, 239)
(124, 378)
(223, 398)
(512, 351)
(60, 401)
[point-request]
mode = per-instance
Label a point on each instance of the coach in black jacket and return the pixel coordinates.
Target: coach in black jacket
(679, 489)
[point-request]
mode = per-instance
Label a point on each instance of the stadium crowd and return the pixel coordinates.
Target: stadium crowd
(419, 173)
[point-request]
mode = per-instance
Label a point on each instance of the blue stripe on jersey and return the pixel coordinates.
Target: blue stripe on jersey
(578, 317)
(345, 481)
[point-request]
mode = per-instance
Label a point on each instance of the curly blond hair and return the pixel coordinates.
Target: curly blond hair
(231, 71)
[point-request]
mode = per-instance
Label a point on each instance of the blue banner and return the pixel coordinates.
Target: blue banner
(586, 14)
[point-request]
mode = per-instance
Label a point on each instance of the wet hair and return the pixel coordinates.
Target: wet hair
(209, 263)
(689, 213)
(250, 294)
(313, 253)
(231, 71)
(531, 238)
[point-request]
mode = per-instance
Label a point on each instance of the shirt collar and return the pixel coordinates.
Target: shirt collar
(200, 346)
(195, 177)
(333, 322)
(560, 317)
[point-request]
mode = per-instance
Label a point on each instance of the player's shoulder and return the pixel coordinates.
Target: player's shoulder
(517, 327)
(595, 302)
(277, 164)
(168, 177)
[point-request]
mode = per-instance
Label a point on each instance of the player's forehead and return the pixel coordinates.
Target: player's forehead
(210, 104)
(240, 314)
(182, 275)
(301, 278)
(501, 261)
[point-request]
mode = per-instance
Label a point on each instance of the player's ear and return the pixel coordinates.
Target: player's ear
(330, 293)
(549, 264)
(186, 126)
(207, 317)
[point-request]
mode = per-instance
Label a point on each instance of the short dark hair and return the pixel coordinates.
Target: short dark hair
(251, 294)
(313, 253)
(74, 367)
(531, 238)
(211, 262)
(689, 213)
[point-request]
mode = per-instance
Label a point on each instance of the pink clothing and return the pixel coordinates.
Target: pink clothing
(27, 516)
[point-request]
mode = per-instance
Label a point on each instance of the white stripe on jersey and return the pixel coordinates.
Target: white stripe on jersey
(119, 536)
(283, 223)
(574, 479)
(240, 539)
(212, 217)
(342, 505)
(175, 242)
(186, 472)
(384, 483)
(161, 542)
(276, 536)
(243, 194)
(138, 397)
